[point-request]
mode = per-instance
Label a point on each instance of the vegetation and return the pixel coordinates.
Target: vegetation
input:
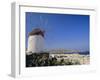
(43, 59)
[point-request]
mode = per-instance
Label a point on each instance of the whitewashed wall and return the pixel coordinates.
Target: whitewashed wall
(35, 44)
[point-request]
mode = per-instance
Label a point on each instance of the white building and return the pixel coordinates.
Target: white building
(35, 41)
(82, 59)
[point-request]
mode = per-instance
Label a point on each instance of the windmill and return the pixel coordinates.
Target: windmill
(36, 38)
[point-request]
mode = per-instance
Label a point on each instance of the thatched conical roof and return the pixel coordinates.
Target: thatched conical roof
(37, 31)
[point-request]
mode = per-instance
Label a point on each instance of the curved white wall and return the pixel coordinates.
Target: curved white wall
(35, 44)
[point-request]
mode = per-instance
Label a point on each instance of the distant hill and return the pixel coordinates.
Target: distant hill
(61, 51)
(84, 53)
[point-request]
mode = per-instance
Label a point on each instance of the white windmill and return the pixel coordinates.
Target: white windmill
(36, 40)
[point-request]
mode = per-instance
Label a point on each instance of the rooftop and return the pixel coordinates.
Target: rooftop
(37, 31)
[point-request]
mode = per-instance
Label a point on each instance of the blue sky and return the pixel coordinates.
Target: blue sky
(66, 31)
